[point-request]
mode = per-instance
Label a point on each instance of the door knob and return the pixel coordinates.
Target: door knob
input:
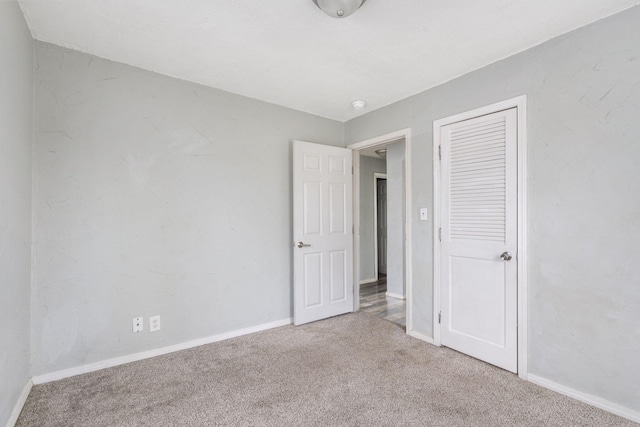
(506, 256)
(302, 245)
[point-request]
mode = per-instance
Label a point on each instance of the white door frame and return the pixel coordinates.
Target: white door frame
(356, 147)
(520, 103)
(376, 175)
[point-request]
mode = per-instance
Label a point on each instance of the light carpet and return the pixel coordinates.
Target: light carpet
(351, 370)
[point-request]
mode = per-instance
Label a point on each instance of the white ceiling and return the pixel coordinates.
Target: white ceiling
(290, 53)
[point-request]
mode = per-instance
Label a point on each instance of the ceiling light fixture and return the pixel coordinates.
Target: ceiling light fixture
(382, 153)
(358, 104)
(339, 8)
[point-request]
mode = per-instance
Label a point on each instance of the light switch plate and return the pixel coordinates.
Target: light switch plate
(424, 216)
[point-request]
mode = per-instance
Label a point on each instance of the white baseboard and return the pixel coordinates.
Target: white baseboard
(397, 296)
(19, 404)
(365, 281)
(91, 367)
(598, 402)
(420, 336)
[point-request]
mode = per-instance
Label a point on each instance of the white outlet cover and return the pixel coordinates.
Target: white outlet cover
(154, 323)
(424, 215)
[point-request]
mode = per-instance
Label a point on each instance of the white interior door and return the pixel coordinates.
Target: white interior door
(479, 238)
(322, 232)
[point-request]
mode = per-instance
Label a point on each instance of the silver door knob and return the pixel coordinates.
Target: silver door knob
(506, 256)
(302, 245)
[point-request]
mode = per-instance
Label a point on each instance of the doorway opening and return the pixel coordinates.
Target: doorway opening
(375, 297)
(381, 224)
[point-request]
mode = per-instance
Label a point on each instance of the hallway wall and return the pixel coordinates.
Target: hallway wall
(368, 166)
(395, 220)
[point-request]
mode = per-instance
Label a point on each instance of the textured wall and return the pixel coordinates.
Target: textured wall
(16, 111)
(395, 219)
(584, 211)
(154, 196)
(368, 166)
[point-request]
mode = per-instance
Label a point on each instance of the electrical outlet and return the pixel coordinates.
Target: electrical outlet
(138, 324)
(154, 323)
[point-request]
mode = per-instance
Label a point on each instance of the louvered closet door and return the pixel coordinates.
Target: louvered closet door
(479, 224)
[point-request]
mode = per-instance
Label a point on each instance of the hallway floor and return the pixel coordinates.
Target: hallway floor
(373, 300)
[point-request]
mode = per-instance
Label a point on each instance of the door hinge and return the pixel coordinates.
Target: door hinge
(439, 317)
(440, 234)
(440, 152)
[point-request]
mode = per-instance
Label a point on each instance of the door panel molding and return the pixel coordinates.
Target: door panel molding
(520, 104)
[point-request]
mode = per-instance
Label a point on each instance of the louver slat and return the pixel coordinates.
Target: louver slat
(477, 181)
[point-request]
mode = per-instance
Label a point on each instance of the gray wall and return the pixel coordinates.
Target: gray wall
(368, 166)
(139, 210)
(16, 111)
(584, 211)
(154, 196)
(395, 219)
